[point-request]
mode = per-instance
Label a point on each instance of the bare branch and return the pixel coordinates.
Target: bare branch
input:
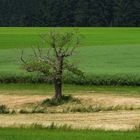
(69, 51)
(35, 53)
(21, 58)
(73, 69)
(53, 36)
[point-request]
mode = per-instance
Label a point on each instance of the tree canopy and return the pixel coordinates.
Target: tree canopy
(52, 59)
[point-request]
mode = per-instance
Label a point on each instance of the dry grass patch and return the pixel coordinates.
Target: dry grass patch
(88, 103)
(121, 120)
(116, 120)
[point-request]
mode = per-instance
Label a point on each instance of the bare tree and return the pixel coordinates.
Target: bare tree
(52, 61)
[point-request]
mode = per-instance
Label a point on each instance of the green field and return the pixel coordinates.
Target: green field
(26, 37)
(43, 89)
(106, 53)
(42, 134)
(108, 56)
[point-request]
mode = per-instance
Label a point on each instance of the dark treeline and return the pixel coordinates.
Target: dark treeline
(70, 13)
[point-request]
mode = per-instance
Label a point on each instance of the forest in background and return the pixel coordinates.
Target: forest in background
(82, 13)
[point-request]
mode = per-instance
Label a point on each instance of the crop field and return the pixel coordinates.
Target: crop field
(108, 56)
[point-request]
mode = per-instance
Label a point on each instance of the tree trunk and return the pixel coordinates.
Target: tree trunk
(58, 78)
(58, 88)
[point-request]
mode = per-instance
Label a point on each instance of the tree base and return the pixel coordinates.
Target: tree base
(59, 101)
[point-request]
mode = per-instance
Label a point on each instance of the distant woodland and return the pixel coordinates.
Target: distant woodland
(86, 13)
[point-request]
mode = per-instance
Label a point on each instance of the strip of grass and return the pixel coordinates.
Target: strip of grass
(113, 65)
(26, 37)
(46, 89)
(96, 60)
(43, 134)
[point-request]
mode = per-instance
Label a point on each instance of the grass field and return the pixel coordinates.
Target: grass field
(107, 53)
(108, 56)
(42, 134)
(43, 89)
(25, 37)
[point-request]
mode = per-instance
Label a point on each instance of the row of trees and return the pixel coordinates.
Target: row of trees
(70, 13)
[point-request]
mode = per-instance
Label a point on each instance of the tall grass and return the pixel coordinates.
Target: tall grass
(105, 80)
(97, 80)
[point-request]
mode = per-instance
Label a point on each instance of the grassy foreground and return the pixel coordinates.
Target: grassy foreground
(42, 134)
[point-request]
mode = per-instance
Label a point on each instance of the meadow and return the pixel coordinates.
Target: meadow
(108, 56)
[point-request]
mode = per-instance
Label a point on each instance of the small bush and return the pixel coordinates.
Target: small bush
(37, 126)
(82, 108)
(52, 126)
(13, 112)
(97, 109)
(137, 127)
(62, 100)
(4, 109)
(39, 110)
(24, 111)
